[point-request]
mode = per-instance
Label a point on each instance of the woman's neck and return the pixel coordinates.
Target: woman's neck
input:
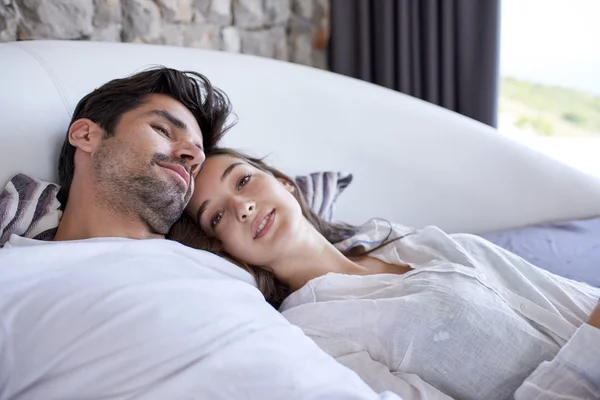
(314, 256)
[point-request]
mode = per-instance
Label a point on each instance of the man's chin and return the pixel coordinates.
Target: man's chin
(164, 209)
(184, 192)
(161, 223)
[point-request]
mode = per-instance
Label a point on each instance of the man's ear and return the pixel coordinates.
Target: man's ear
(288, 185)
(85, 134)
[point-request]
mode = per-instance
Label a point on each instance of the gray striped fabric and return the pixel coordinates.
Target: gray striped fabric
(321, 190)
(29, 207)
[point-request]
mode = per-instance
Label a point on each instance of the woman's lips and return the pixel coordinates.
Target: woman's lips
(270, 216)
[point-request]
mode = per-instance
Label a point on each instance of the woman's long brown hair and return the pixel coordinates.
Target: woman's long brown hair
(187, 232)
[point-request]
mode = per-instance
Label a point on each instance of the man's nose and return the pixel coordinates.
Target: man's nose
(190, 154)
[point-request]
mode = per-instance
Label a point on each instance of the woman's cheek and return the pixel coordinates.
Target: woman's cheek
(233, 242)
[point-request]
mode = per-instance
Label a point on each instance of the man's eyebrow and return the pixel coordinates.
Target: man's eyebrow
(177, 123)
(229, 169)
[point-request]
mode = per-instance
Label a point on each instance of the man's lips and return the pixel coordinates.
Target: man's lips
(178, 171)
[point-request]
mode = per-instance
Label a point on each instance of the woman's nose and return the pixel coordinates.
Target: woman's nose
(245, 209)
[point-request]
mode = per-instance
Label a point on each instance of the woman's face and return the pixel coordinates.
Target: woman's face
(250, 211)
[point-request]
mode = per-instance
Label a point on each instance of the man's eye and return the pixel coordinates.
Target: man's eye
(243, 181)
(214, 221)
(162, 130)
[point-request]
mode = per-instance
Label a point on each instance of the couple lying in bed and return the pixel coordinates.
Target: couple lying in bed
(414, 312)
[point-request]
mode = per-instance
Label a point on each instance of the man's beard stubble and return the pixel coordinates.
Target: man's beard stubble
(137, 190)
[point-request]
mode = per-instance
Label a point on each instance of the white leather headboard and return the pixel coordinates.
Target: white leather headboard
(413, 162)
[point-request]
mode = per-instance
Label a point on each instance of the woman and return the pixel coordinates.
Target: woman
(418, 312)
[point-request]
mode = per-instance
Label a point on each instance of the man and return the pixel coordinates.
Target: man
(112, 310)
(137, 144)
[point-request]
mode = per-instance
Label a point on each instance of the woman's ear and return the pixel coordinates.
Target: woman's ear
(288, 185)
(85, 134)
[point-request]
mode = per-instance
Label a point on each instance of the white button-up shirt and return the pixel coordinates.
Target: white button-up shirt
(470, 321)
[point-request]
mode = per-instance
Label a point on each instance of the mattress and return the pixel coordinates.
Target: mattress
(570, 249)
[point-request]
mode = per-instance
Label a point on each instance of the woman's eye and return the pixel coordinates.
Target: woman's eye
(214, 221)
(243, 181)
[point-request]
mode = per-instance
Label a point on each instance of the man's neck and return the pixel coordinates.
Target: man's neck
(85, 220)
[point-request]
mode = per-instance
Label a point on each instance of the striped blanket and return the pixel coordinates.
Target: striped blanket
(321, 190)
(29, 208)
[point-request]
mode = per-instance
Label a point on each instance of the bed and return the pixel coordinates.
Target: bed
(412, 162)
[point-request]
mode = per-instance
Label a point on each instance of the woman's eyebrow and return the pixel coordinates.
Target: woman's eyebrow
(229, 169)
(201, 211)
(204, 205)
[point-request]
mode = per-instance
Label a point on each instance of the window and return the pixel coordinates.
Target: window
(550, 78)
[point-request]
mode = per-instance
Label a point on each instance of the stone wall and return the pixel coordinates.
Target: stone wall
(294, 30)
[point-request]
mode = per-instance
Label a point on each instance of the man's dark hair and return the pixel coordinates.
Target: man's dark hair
(107, 104)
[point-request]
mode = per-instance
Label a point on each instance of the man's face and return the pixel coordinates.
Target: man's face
(146, 168)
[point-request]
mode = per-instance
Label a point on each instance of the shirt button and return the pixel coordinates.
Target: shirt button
(523, 307)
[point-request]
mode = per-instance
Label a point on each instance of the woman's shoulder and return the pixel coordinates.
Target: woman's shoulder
(375, 232)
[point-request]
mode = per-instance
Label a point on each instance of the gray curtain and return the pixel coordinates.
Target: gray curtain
(442, 51)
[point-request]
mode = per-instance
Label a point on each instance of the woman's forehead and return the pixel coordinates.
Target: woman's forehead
(214, 166)
(208, 182)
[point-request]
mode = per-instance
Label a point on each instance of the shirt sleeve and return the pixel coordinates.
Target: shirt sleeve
(573, 374)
